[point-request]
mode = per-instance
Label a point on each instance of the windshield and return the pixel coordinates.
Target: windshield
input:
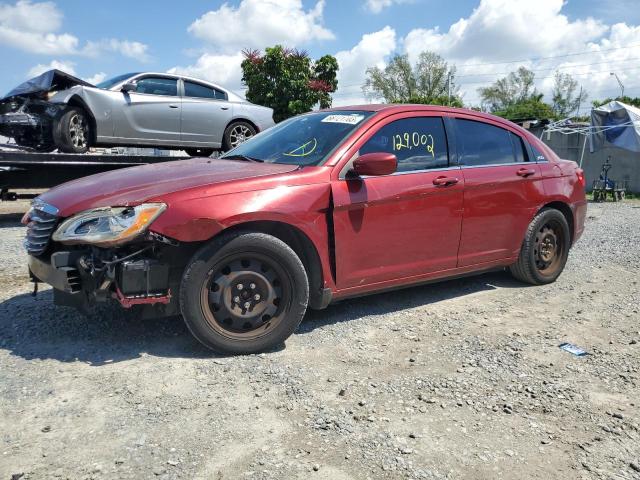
(302, 140)
(107, 84)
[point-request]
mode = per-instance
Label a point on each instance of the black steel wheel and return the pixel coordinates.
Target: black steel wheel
(72, 131)
(545, 249)
(245, 292)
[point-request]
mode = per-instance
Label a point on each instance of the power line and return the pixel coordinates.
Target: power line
(536, 59)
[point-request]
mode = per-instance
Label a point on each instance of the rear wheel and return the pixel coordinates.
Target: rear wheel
(236, 133)
(245, 292)
(72, 132)
(199, 152)
(544, 250)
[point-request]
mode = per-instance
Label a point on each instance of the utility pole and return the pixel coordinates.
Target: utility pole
(619, 83)
(449, 88)
(579, 101)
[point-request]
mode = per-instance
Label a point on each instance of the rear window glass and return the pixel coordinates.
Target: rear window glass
(483, 144)
(192, 89)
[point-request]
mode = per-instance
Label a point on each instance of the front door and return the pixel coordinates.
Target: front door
(503, 191)
(400, 225)
(151, 114)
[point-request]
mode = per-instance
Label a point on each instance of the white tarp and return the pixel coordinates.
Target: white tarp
(615, 123)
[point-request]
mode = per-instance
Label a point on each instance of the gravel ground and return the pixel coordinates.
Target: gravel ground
(462, 379)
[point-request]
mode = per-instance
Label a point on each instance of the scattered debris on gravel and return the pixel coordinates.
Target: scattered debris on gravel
(463, 379)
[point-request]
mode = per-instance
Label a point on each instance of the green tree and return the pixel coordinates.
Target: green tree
(288, 80)
(628, 100)
(516, 88)
(429, 81)
(532, 107)
(565, 95)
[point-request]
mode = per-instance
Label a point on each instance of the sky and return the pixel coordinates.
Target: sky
(484, 39)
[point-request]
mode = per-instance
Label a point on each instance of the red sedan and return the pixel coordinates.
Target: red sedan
(321, 207)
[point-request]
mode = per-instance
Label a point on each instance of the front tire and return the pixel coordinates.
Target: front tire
(243, 293)
(545, 249)
(72, 132)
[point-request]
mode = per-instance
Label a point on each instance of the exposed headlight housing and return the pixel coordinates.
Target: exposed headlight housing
(108, 226)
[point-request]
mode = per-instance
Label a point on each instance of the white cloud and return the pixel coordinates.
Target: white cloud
(96, 78)
(376, 6)
(260, 23)
(68, 67)
(221, 69)
(504, 30)
(372, 50)
(136, 50)
(33, 27)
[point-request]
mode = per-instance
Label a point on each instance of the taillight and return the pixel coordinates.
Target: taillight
(580, 175)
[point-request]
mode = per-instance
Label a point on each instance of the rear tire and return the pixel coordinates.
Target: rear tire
(544, 250)
(199, 152)
(243, 293)
(72, 131)
(237, 133)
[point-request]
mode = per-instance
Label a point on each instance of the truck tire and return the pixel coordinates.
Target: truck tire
(244, 292)
(236, 133)
(545, 249)
(72, 131)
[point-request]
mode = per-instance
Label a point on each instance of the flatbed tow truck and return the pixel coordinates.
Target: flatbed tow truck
(22, 169)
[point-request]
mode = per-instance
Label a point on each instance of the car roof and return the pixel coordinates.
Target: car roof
(392, 108)
(232, 95)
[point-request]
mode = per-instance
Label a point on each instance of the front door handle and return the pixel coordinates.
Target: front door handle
(224, 108)
(525, 172)
(173, 106)
(444, 181)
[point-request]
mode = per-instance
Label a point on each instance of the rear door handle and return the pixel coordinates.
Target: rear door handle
(173, 106)
(224, 108)
(525, 172)
(444, 181)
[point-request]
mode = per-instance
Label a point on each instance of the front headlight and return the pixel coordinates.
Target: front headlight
(108, 226)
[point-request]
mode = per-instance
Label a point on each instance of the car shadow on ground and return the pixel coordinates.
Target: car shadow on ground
(33, 328)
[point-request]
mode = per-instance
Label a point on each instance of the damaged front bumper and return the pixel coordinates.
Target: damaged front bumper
(80, 279)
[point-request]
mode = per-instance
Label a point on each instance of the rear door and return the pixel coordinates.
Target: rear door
(206, 112)
(151, 114)
(503, 190)
(400, 225)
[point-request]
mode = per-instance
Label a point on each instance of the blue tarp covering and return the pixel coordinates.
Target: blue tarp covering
(617, 124)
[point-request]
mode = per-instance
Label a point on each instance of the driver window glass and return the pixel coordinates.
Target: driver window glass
(157, 86)
(200, 91)
(419, 143)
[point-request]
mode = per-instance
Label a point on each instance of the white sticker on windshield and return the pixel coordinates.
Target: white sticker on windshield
(351, 119)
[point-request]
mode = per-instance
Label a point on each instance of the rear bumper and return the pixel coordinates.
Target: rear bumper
(579, 215)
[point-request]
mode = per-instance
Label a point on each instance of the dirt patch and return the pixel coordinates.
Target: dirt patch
(462, 379)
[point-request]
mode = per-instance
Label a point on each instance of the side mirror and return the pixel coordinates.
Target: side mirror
(129, 87)
(375, 163)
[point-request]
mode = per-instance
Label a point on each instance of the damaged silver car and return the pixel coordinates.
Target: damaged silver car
(58, 110)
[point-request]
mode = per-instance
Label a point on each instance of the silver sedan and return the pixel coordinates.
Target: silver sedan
(137, 109)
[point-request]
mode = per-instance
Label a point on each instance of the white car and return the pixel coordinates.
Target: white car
(57, 110)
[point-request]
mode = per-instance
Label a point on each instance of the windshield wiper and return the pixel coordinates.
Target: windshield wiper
(244, 158)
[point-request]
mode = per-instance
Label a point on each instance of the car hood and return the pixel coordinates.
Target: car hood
(46, 82)
(132, 186)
